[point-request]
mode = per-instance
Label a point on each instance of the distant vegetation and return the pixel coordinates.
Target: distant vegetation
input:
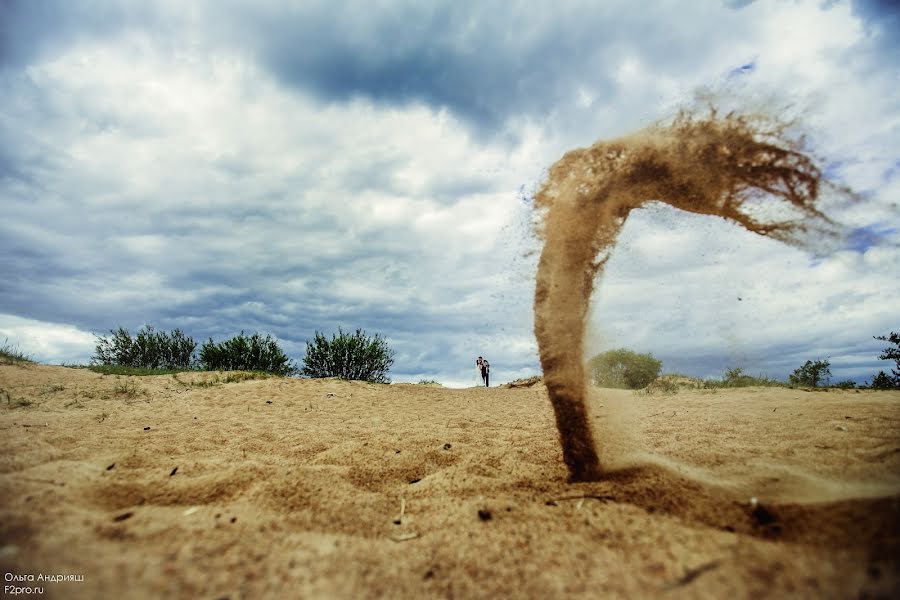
(623, 369)
(349, 356)
(11, 355)
(121, 370)
(811, 374)
(735, 378)
(148, 349)
(152, 352)
(882, 380)
(246, 353)
(361, 357)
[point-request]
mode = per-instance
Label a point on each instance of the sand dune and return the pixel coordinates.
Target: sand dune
(151, 487)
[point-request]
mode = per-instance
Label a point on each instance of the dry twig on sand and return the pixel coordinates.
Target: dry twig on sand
(692, 574)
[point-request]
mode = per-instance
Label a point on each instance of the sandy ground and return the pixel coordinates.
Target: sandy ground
(163, 487)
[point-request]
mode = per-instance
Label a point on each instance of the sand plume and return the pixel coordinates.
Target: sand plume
(734, 166)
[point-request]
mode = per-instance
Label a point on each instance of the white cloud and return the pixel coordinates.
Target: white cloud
(44, 342)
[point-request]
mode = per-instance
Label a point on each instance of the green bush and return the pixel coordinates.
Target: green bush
(623, 369)
(883, 381)
(246, 353)
(811, 373)
(735, 378)
(356, 357)
(148, 349)
(890, 353)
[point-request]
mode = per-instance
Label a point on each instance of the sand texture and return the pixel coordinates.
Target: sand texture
(164, 487)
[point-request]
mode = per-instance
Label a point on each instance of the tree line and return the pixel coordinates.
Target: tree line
(349, 356)
(625, 369)
(359, 356)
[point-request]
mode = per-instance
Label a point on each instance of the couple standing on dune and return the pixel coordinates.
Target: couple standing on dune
(484, 369)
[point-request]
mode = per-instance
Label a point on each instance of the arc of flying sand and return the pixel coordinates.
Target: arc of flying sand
(708, 165)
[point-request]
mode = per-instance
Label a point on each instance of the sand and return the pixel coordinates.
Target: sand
(157, 487)
(749, 169)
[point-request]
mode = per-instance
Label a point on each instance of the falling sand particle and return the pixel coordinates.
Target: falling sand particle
(734, 167)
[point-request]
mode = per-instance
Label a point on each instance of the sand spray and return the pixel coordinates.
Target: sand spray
(744, 168)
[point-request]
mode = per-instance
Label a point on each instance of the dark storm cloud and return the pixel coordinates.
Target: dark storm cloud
(737, 3)
(885, 14)
(881, 19)
(31, 29)
(486, 62)
(483, 62)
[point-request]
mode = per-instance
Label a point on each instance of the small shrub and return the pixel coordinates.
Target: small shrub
(428, 382)
(883, 381)
(205, 383)
(356, 357)
(623, 369)
(891, 353)
(735, 378)
(666, 385)
(811, 373)
(148, 349)
(246, 353)
(246, 376)
(126, 388)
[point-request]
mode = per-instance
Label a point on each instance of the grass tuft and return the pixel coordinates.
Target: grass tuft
(736, 378)
(127, 388)
(138, 371)
(238, 376)
(12, 355)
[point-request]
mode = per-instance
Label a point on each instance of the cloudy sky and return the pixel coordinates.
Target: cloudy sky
(287, 167)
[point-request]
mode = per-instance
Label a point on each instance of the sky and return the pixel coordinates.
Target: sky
(292, 167)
